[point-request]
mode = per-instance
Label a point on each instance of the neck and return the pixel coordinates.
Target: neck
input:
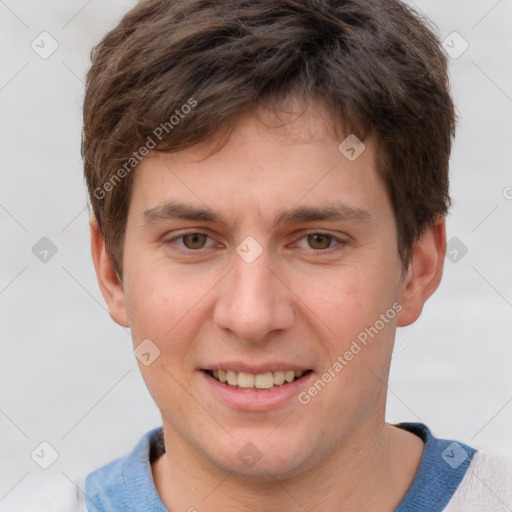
(368, 473)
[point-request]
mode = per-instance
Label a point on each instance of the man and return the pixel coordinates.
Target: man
(268, 207)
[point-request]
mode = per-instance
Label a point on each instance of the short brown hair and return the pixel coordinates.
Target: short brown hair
(374, 63)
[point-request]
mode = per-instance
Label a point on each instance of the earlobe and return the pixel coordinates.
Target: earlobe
(110, 284)
(424, 272)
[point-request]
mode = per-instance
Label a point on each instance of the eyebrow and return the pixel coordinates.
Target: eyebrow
(177, 210)
(335, 212)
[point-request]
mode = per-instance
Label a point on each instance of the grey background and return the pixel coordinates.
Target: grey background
(68, 373)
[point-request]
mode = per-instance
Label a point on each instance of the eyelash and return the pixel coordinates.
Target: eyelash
(337, 243)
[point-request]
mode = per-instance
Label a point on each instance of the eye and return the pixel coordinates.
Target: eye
(191, 241)
(194, 240)
(320, 242)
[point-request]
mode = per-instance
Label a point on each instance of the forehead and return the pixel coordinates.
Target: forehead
(267, 166)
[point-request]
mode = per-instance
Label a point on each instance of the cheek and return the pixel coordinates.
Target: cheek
(146, 304)
(344, 309)
(345, 300)
(170, 308)
(166, 309)
(156, 301)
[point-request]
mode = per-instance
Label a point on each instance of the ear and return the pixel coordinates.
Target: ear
(111, 286)
(424, 272)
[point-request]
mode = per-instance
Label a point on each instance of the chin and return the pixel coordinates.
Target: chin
(266, 456)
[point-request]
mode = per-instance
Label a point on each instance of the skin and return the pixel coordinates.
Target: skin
(294, 303)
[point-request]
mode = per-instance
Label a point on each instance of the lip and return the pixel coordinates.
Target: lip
(264, 400)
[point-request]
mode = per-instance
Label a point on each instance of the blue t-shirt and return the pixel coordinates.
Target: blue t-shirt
(126, 484)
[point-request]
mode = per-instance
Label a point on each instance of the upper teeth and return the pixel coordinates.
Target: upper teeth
(259, 380)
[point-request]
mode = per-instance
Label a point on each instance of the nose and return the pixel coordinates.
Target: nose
(253, 302)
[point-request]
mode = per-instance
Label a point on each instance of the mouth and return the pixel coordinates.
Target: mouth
(257, 382)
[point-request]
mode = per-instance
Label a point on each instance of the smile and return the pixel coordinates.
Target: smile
(254, 382)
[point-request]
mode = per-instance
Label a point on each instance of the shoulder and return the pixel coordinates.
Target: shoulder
(105, 485)
(127, 482)
(487, 485)
(110, 487)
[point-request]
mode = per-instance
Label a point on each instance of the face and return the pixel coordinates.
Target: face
(273, 260)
